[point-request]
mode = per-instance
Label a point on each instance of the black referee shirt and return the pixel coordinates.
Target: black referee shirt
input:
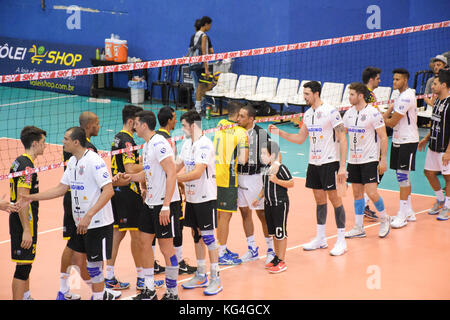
(440, 125)
(256, 137)
(274, 194)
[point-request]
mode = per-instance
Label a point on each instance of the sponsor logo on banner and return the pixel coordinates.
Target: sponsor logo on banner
(40, 54)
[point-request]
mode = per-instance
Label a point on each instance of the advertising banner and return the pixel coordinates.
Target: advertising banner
(24, 56)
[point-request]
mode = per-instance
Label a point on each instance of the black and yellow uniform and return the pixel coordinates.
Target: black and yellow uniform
(227, 144)
(28, 181)
(68, 224)
(127, 202)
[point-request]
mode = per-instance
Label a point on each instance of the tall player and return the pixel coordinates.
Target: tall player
(326, 168)
(197, 157)
(23, 222)
(367, 145)
(402, 117)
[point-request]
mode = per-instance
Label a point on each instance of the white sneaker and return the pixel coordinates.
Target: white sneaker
(116, 294)
(411, 216)
(316, 243)
(339, 248)
(399, 221)
(385, 226)
(356, 232)
(250, 255)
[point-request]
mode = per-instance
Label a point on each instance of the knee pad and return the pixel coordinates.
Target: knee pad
(403, 178)
(22, 271)
(95, 270)
(209, 239)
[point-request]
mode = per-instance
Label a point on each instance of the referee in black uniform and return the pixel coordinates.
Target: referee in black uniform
(438, 153)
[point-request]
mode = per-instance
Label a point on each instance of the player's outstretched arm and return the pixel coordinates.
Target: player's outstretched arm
(55, 192)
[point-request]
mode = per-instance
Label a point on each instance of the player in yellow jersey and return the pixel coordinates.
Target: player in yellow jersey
(231, 148)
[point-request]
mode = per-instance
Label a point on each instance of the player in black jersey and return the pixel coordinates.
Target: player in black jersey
(276, 203)
(127, 202)
(23, 223)
(438, 153)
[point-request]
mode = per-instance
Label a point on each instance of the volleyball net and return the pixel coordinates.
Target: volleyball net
(271, 78)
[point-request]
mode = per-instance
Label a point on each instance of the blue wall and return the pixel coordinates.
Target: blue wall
(161, 29)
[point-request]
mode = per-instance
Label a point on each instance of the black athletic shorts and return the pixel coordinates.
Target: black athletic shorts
(69, 226)
(363, 173)
(322, 177)
(201, 216)
(276, 219)
(403, 156)
(19, 254)
(127, 206)
(96, 243)
(149, 221)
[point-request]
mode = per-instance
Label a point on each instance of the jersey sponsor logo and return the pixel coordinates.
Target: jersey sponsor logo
(81, 172)
(105, 175)
(163, 150)
(356, 130)
(76, 187)
(100, 166)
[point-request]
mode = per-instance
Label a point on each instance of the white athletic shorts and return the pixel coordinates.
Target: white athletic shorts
(249, 187)
(433, 162)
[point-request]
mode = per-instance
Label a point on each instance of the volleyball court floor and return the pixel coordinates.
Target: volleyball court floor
(410, 263)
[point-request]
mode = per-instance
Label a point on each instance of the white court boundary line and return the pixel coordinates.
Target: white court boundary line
(37, 100)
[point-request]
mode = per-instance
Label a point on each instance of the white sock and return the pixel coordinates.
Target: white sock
(321, 231)
(179, 253)
(222, 249)
(198, 106)
(269, 242)
(440, 195)
(201, 266)
(109, 272)
(404, 208)
(26, 295)
(447, 202)
(98, 295)
(410, 203)
(359, 220)
(214, 270)
(64, 282)
(140, 272)
(251, 242)
(341, 234)
(149, 278)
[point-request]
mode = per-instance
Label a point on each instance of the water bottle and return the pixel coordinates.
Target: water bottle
(208, 112)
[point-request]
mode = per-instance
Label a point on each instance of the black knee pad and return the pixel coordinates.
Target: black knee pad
(178, 241)
(196, 236)
(22, 271)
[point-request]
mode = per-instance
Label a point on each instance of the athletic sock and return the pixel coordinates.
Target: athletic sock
(269, 242)
(149, 278)
(171, 279)
(201, 267)
(109, 272)
(440, 195)
(64, 282)
(251, 242)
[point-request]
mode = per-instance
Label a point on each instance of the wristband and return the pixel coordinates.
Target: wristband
(165, 208)
(277, 163)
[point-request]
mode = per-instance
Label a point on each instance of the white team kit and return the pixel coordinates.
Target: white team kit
(154, 151)
(364, 146)
(320, 122)
(86, 177)
(201, 151)
(406, 130)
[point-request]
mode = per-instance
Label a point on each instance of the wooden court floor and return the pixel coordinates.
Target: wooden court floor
(411, 263)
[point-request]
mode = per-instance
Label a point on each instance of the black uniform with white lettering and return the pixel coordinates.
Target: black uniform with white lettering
(256, 137)
(440, 126)
(276, 203)
(68, 223)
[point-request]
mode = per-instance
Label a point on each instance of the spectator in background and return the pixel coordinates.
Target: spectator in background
(191, 45)
(439, 62)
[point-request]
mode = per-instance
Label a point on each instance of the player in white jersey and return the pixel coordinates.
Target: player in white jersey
(91, 191)
(327, 157)
(402, 117)
(162, 196)
(366, 157)
(199, 177)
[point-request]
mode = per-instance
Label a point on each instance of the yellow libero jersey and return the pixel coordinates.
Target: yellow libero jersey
(227, 144)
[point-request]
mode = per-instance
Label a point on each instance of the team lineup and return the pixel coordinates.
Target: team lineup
(156, 194)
